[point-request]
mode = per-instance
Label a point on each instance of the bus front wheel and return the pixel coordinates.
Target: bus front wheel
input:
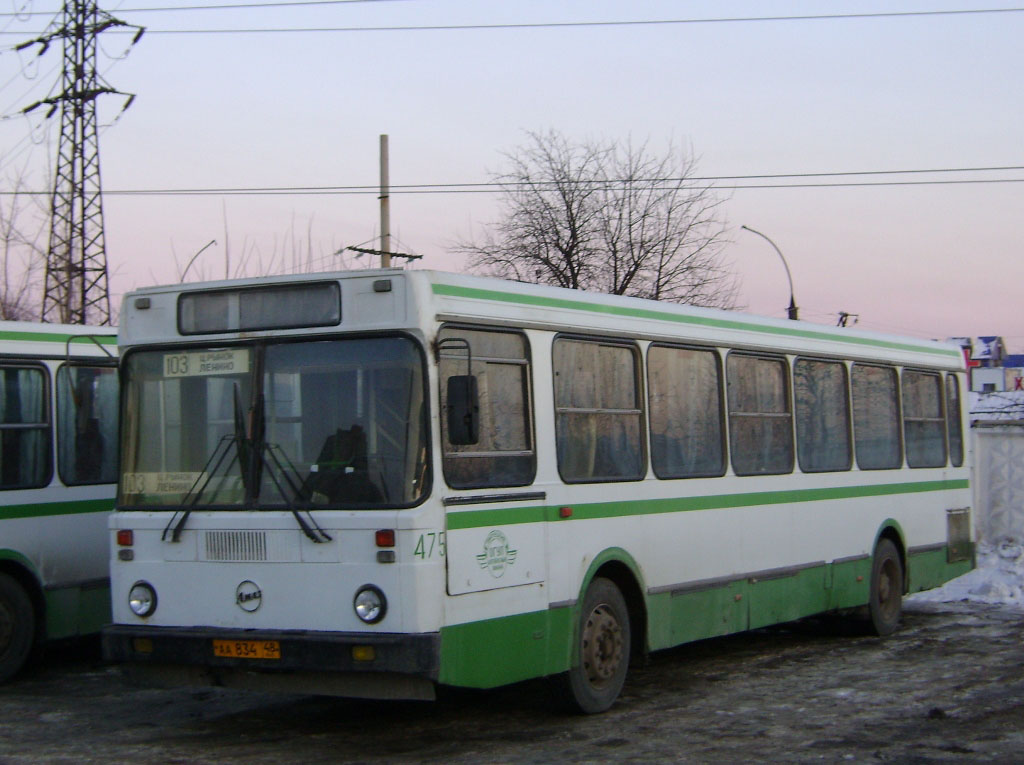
(886, 603)
(17, 627)
(603, 645)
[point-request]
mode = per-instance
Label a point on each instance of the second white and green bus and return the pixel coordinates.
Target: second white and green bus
(373, 483)
(58, 470)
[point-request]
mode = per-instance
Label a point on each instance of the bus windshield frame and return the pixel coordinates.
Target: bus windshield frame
(276, 424)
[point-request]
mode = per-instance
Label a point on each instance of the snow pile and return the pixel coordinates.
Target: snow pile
(998, 578)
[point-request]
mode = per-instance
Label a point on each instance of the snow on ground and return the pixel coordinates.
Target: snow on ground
(998, 579)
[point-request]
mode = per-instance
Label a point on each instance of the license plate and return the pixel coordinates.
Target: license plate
(247, 649)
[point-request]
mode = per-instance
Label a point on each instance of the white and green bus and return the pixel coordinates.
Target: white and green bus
(372, 483)
(58, 471)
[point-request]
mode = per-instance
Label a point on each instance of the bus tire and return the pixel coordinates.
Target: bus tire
(17, 627)
(594, 682)
(886, 599)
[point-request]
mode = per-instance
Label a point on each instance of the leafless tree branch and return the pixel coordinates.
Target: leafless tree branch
(23, 230)
(607, 217)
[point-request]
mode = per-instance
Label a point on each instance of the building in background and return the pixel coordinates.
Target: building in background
(991, 368)
(996, 379)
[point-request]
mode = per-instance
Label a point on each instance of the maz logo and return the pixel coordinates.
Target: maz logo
(248, 596)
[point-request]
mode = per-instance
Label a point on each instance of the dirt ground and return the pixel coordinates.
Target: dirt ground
(948, 687)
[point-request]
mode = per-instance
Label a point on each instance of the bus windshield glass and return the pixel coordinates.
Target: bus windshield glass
(325, 423)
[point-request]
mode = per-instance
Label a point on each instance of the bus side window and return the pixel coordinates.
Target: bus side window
(87, 400)
(876, 423)
(502, 452)
(24, 428)
(924, 422)
(953, 421)
(760, 420)
(822, 415)
(599, 425)
(686, 412)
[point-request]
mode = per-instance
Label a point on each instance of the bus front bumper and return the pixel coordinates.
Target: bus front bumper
(359, 665)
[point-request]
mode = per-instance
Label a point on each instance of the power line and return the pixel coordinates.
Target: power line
(221, 7)
(444, 189)
(584, 24)
(813, 180)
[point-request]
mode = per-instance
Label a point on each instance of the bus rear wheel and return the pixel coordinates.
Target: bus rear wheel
(17, 627)
(603, 647)
(886, 600)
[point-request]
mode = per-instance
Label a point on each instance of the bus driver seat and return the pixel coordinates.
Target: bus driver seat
(340, 473)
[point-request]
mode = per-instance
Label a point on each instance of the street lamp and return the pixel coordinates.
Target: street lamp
(193, 260)
(792, 310)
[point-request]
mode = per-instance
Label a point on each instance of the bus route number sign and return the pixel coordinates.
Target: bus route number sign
(231, 361)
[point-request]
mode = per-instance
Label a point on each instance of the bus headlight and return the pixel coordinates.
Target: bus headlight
(142, 599)
(370, 604)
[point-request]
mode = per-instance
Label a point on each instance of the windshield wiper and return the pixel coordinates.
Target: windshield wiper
(291, 476)
(242, 452)
(197, 490)
(252, 455)
(260, 461)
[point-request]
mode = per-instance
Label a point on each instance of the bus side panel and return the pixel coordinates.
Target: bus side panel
(483, 558)
(80, 610)
(494, 652)
(64, 544)
(931, 569)
(697, 614)
(851, 583)
(935, 565)
(742, 604)
(786, 598)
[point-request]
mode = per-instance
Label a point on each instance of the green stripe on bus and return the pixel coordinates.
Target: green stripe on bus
(55, 337)
(492, 652)
(43, 509)
(507, 516)
(705, 321)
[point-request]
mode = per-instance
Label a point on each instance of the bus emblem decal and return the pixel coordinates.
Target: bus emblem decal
(497, 555)
(248, 596)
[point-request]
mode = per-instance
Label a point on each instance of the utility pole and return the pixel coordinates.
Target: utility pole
(384, 252)
(76, 290)
(385, 209)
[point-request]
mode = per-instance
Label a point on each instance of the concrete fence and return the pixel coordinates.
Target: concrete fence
(999, 481)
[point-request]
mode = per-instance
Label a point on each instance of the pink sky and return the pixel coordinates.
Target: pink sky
(231, 110)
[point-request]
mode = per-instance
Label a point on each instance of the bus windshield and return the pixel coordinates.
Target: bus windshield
(325, 423)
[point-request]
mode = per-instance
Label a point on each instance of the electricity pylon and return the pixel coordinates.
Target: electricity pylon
(76, 290)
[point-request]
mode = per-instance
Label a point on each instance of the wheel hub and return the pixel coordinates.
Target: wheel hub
(886, 587)
(602, 645)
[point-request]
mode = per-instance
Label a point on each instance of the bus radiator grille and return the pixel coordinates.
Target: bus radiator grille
(236, 546)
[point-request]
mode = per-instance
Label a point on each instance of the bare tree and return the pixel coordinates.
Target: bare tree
(607, 217)
(23, 227)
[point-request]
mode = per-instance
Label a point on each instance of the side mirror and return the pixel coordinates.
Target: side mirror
(463, 410)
